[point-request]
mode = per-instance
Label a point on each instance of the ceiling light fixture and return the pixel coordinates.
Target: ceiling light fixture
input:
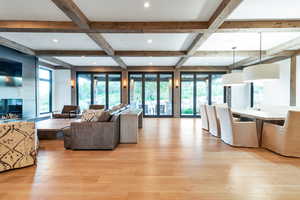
(55, 40)
(150, 63)
(260, 71)
(146, 4)
(149, 41)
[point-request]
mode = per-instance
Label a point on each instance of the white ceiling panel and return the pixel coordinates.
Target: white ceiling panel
(211, 61)
(158, 10)
(150, 61)
(267, 9)
(53, 41)
(31, 10)
(247, 41)
(171, 42)
(89, 61)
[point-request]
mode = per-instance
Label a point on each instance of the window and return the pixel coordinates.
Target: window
(153, 92)
(257, 94)
(98, 88)
(84, 88)
(199, 88)
(217, 89)
(45, 91)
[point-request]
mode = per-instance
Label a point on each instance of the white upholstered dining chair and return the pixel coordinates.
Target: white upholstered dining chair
(204, 117)
(236, 133)
(284, 140)
(214, 125)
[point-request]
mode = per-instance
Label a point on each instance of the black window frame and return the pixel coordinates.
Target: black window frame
(92, 74)
(50, 80)
(158, 93)
(195, 91)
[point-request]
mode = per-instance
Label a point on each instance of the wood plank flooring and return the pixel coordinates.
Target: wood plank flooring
(174, 160)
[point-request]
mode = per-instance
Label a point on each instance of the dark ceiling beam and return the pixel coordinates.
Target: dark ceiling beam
(56, 61)
(148, 27)
(77, 16)
(217, 19)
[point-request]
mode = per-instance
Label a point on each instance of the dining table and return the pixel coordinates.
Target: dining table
(260, 117)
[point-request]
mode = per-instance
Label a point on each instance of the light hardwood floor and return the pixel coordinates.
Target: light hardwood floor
(174, 160)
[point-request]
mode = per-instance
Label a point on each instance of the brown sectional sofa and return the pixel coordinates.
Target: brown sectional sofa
(95, 134)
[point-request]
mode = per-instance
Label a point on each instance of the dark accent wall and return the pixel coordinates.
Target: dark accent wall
(28, 90)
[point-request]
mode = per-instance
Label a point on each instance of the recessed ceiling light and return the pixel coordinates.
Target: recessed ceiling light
(146, 4)
(55, 40)
(149, 41)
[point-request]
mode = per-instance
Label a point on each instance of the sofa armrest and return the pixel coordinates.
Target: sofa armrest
(94, 135)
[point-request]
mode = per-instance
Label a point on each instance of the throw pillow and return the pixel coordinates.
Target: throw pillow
(104, 117)
(87, 116)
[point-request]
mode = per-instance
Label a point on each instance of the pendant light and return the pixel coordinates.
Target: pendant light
(233, 78)
(261, 72)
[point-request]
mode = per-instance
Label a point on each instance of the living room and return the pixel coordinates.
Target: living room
(151, 99)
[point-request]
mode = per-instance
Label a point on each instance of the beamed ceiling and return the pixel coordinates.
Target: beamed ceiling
(167, 34)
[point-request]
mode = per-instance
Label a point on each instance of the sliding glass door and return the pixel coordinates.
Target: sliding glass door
(187, 94)
(166, 94)
(199, 88)
(135, 91)
(153, 92)
(98, 88)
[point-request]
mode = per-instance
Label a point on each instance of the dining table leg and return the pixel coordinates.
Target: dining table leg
(259, 129)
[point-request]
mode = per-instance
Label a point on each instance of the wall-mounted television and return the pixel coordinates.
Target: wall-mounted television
(10, 73)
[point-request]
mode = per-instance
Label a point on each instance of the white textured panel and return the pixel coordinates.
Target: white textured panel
(171, 42)
(44, 41)
(89, 61)
(159, 10)
(247, 41)
(31, 10)
(267, 9)
(150, 61)
(214, 61)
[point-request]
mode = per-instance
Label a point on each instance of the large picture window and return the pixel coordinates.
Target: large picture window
(98, 88)
(199, 88)
(45, 91)
(153, 92)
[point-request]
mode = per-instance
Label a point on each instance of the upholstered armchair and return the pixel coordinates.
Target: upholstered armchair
(236, 133)
(204, 117)
(68, 111)
(96, 107)
(18, 145)
(284, 140)
(214, 124)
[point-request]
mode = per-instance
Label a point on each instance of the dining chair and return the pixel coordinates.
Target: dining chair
(214, 124)
(284, 140)
(204, 117)
(236, 133)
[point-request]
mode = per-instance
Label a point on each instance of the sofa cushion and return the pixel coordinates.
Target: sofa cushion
(91, 115)
(105, 116)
